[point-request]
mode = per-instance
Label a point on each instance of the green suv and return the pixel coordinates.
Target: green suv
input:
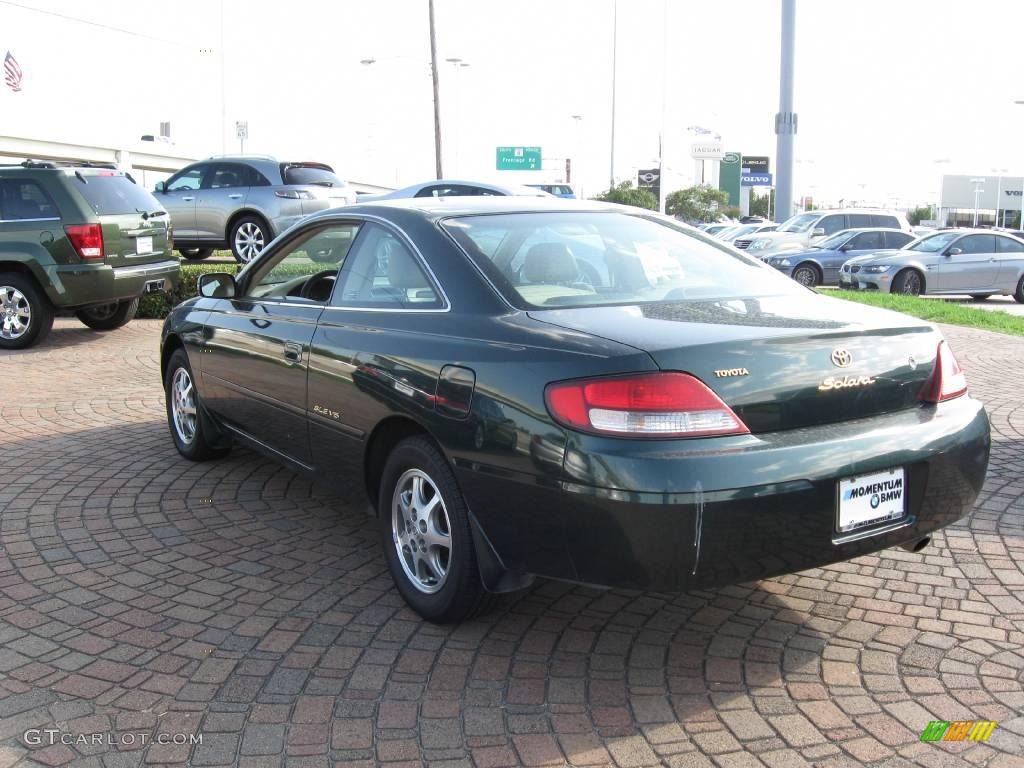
(77, 238)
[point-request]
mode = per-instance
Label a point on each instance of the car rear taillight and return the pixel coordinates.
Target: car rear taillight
(642, 405)
(87, 240)
(947, 380)
(294, 194)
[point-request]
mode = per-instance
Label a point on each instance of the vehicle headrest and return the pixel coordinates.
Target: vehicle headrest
(550, 263)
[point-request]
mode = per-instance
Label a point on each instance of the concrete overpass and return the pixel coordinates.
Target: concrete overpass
(148, 161)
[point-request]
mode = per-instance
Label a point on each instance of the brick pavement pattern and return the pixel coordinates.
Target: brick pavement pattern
(142, 594)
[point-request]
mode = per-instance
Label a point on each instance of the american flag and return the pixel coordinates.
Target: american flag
(12, 72)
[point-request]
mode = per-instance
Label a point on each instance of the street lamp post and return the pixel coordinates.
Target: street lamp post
(977, 193)
(785, 119)
(435, 78)
(999, 190)
(457, 64)
(577, 151)
(615, 51)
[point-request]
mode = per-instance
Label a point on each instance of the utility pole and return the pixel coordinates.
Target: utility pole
(664, 99)
(615, 52)
(785, 119)
(434, 74)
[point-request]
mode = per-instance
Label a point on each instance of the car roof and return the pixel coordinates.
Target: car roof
(506, 189)
(435, 208)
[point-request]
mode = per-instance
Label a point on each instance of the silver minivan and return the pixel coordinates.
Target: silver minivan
(242, 202)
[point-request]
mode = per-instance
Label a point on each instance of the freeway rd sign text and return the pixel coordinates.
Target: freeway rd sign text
(518, 159)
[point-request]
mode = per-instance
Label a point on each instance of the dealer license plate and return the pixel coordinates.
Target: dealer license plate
(869, 500)
(143, 245)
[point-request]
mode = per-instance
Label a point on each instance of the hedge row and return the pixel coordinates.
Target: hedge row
(159, 305)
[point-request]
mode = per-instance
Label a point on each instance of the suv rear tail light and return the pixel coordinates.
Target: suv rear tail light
(87, 240)
(947, 380)
(294, 194)
(642, 405)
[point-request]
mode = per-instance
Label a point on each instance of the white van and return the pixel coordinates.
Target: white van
(805, 229)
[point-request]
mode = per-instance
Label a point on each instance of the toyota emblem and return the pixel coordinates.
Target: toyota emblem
(841, 357)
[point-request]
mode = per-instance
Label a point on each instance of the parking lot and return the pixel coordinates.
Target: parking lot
(141, 594)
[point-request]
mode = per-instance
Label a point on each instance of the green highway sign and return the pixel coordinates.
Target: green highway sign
(518, 159)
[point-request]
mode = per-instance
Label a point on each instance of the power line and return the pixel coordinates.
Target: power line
(94, 24)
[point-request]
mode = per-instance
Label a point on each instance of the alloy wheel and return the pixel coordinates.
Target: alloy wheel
(183, 406)
(249, 241)
(912, 285)
(15, 313)
(421, 531)
(806, 277)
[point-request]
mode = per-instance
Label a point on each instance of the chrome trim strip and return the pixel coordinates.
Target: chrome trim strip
(44, 218)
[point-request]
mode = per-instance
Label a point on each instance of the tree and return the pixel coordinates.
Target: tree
(699, 203)
(919, 214)
(760, 205)
(626, 194)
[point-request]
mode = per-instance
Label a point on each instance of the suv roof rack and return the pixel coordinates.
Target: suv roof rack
(241, 155)
(59, 164)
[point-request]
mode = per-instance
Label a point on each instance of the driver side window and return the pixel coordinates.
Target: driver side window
(305, 268)
(187, 181)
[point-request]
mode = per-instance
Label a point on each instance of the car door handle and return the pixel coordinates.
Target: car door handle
(235, 197)
(293, 351)
(187, 199)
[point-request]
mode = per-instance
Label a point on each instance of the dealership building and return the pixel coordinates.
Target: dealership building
(998, 200)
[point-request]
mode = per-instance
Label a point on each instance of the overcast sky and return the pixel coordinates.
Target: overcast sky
(883, 89)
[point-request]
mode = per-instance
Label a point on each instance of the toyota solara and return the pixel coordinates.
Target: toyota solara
(537, 387)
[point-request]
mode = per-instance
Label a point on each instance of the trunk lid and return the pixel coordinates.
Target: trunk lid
(771, 358)
(135, 226)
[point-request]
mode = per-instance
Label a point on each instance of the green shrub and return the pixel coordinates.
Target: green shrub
(159, 305)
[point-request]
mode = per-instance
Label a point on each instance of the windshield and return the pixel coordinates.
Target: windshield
(836, 240)
(799, 223)
(932, 243)
(591, 259)
(321, 175)
(113, 194)
(746, 229)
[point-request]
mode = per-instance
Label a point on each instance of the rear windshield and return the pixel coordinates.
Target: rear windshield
(113, 194)
(321, 175)
(591, 259)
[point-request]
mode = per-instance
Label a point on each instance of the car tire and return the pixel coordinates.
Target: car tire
(908, 282)
(107, 317)
(196, 254)
(807, 275)
(440, 584)
(196, 438)
(248, 237)
(26, 315)
(1018, 295)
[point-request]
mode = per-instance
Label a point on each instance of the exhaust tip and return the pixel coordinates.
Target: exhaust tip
(918, 544)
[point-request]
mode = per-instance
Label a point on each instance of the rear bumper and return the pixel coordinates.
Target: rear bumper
(715, 512)
(83, 284)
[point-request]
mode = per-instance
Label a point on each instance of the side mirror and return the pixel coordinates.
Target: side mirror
(160, 187)
(216, 285)
(954, 251)
(818, 232)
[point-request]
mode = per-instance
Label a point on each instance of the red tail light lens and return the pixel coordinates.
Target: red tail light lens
(947, 380)
(642, 405)
(87, 240)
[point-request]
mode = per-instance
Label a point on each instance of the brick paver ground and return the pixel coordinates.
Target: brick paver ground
(143, 595)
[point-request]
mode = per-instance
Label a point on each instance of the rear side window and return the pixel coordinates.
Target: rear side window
(22, 200)
(886, 221)
(868, 241)
(113, 194)
(897, 239)
(862, 220)
(1006, 245)
(230, 175)
(383, 274)
(320, 175)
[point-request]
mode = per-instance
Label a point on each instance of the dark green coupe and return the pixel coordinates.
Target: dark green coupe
(574, 390)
